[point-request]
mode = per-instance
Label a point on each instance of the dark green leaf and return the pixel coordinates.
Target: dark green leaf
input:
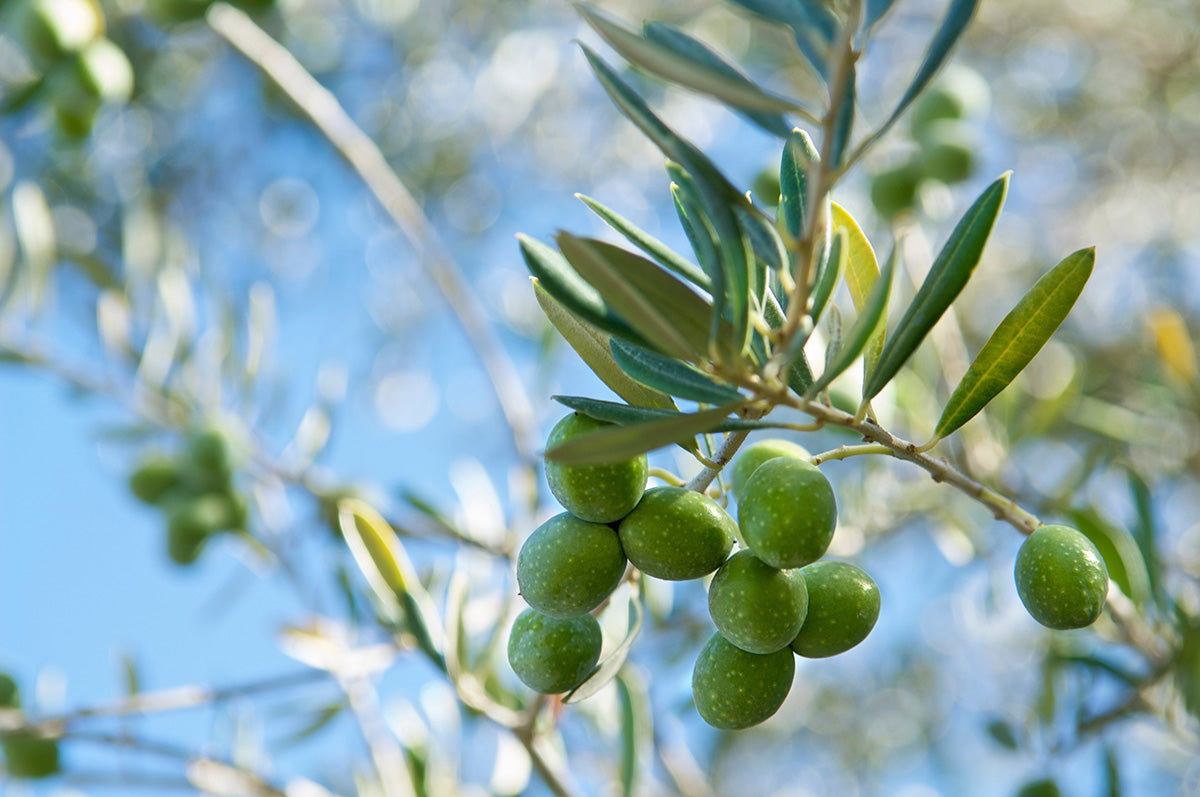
(1145, 532)
(799, 154)
(625, 415)
(1017, 339)
(827, 277)
(872, 315)
(1003, 734)
(813, 24)
(799, 376)
(591, 344)
(876, 11)
(557, 278)
(649, 244)
(701, 239)
(669, 375)
(1112, 773)
(613, 662)
(844, 124)
(958, 15)
(615, 443)
(663, 310)
(946, 278)
(1120, 552)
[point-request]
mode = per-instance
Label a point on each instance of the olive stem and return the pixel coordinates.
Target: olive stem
(729, 447)
(845, 452)
(665, 475)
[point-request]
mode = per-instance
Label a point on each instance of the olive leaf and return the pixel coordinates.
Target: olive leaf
(799, 154)
(861, 272)
(827, 278)
(591, 344)
(1018, 338)
(612, 663)
(669, 375)
(624, 415)
(616, 443)
(946, 278)
(643, 240)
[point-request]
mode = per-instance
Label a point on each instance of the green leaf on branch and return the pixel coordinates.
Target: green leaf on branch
(612, 663)
(613, 444)
(958, 16)
(625, 415)
(663, 310)
(1145, 532)
(811, 21)
(1126, 567)
(677, 58)
(867, 326)
(557, 278)
(876, 10)
(637, 727)
(1018, 338)
(861, 273)
(799, 154)
(844, 123)
(827, 277)
(649, 244)
(669, 375)
(946, 279)
(591, 344)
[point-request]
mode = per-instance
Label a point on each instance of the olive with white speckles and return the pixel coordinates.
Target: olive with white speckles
(677, 534)
(751, 457)
(568, 566)
(843, 605)
(552, 654)
(734, 689)
(787, 512)
(597, 493)
(1061, 578)
(755, 606)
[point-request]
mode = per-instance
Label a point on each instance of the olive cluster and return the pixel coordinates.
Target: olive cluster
(196, 491)
(26, 755)
(768, 600)
(79, 69)
(945, 141)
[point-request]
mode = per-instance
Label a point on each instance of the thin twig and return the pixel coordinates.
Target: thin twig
(364, 156)
(724, 454)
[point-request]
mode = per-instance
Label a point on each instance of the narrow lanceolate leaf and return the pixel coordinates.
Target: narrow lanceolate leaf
(556, 277)
(591, 344)
(657, 305)
(827, 278)
(643, 240)
(637, 727)
(799, 154)
(669, 375)
(676, 57)
(813, 24)
(1019, 337)
(861, 272)
(616, 443)
(876, 11)
(844, 124)
(1146, 533)
(946, 278)
(701, 239)
(625, 415)
(866, 326)
(613, 662)
(958, 15)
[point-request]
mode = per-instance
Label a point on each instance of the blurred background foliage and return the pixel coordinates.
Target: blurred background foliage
(191, 249)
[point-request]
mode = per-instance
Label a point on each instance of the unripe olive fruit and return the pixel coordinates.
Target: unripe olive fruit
(734, 689)
(749, 458)
(948, 151)
(27, 755)
(569, 566)
(551, 654)
(191, 521)
(209, 457)
(154, 478)
(1045, 787)
(677, 534)
(959, 93)
(10, 694)
(597, 493)
(894, 190)
(755, 606)
(787, 512)
(843, 605)
(1061, 578)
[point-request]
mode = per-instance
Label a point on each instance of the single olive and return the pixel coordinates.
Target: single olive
(209, 459)
(734, 689)
(843, 605)
(894, 190)
(596, 493)
(959, 93)
(569, 566)
(677, 534)
(154, 478)
(552, 654)
(755, 606)
(749, 458)
(948, 151)
(27, 755)
(787, 513)
(1061, 578)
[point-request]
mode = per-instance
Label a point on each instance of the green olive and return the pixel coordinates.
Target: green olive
(27, 755)
(677, 534)
(787, 513)
(154, 478)
(1061, 578)
(843, 605)
(948, 151)
(749, 458)
(596, 493)
(734, 689)
(895, 190)
(959, 93)
(552, 654)
(569, 566)
(755, 606)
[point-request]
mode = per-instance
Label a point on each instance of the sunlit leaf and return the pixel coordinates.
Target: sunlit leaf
(669, 375)
(612, 663)
(946, 278)
(873, 313)
(616, 443)
(591, 344)
(861, 272)
(799, 154)
(649, 244)
(623, 414)
(811, 21)
(669, 314)
(1018, 338)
